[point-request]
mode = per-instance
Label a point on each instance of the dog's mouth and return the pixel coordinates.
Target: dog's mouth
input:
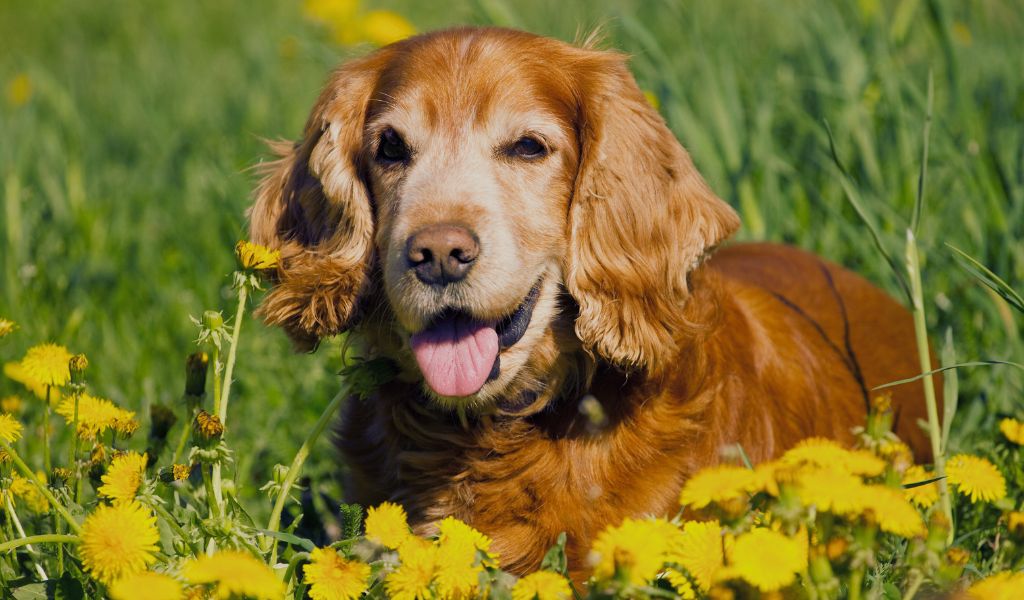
(458, 353)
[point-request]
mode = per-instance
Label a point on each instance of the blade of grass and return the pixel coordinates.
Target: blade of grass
(977, 363)
(915, 221)
(990, 279)
(854, 199)
(950, 389)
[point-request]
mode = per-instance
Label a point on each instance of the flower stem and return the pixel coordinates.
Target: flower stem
(856, 583)
(229, 368)
(170, 520)
(46, 433)
(73, 459)
(293, 564)
(925, 360)
(48, 538)
(21, 533)
(221, 406)
(27, 472)
(300, 458)
(183, 438)
(211, 499)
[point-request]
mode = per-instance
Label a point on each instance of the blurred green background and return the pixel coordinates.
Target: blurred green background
(127, 130)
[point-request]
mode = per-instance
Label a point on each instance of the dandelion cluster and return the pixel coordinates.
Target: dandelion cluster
(823, 520)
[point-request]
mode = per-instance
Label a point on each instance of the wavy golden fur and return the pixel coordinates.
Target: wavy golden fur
(641, 360)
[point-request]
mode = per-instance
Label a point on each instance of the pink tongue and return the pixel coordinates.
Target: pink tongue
(456, 355)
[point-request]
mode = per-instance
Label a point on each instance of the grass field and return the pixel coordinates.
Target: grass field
(128, 129)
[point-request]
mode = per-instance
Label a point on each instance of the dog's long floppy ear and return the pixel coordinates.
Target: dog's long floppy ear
(641, 219)
(312, 205)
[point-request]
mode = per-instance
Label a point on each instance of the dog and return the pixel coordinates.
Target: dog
(507, 218)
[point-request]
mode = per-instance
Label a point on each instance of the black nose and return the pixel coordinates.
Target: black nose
(441, 254)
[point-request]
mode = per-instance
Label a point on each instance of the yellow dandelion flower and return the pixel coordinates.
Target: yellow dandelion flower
(10, 429)
(542, 585)
(458, 570)
(893, 512)
(95, 415)
(209, 425)
(682, 585)
(15, 371)
(19, 90)
(255, 257)
(387, 525)
(118, 540)
(922, 495)
(1001, 586)
(158, 586)
(976, 477)
(383, 27)
(122, 480)
(700, 551)
(47, 364)
(413, 578)
(26, 491)
(337, 14)
(719, 484)
(767, 559)
(830, 490)
(1015, 523)
(636, 549)
(234, 573)
(1013, 430)
(829, 454)
(6, 327)
(332, 577)
(10, 404)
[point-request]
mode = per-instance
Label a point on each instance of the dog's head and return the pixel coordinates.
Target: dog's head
(482, 195)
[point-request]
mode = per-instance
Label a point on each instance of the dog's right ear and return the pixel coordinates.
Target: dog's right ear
(312, 204)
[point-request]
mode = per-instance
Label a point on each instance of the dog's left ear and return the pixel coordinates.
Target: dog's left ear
(641, 219)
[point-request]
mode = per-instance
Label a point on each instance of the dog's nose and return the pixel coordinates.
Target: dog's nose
(441, 254)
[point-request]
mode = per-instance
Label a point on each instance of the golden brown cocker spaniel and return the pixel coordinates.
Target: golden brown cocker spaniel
(507, 218)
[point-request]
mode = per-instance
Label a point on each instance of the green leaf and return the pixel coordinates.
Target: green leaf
(993, 281)
(555, 559)
(854, 199)
(290, 538)
(908, 486)
(351, 520)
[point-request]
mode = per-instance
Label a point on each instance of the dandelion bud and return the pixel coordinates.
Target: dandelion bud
(938, 530)
(98, 456)
(213, 320)
(77, 365)
(195, 375)
(836, 547)
(880, 417)
(820, 569)
(10, 405)
(59, 477)
(161, 420)
(1015, 524)
(175, 473)
(208, 426)
(952, 568)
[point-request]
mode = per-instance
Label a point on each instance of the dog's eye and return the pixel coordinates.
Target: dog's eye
(391, 148)
(528, 147)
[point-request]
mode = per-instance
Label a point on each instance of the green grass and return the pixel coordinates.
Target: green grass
(125, 177)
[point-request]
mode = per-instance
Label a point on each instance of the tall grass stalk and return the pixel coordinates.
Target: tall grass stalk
(300, 457)
(925, 359)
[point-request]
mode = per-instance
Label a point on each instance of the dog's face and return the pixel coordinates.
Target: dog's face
(469, 179)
